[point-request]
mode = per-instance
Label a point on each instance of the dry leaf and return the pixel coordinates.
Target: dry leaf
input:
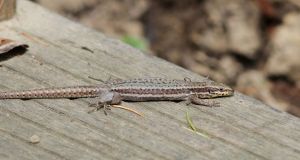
(7, 45)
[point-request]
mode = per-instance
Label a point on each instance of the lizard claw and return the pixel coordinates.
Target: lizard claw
(106, 107)
(98, 106)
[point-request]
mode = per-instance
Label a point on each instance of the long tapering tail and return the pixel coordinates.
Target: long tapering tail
(63, 92)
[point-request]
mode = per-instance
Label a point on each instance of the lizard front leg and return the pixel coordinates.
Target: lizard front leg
(105, 100)
(198, 101)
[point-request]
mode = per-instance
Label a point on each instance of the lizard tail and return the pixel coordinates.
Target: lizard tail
(64, 92)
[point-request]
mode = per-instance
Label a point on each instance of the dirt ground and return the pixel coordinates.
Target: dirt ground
(253, 46)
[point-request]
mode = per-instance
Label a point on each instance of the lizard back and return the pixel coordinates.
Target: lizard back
(166, 89)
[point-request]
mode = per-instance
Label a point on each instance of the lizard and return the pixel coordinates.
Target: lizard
(113, 92)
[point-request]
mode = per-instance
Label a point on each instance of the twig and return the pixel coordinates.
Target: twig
(128, 109)
(189, 121)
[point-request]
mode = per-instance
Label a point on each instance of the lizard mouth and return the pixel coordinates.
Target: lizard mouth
(223, 93)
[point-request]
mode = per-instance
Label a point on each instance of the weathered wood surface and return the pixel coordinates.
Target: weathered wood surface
(243, 128)
(7, 9)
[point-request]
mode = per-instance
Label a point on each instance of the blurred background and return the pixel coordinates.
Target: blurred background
(251, 45)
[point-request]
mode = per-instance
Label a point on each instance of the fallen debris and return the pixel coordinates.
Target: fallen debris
(7, 45)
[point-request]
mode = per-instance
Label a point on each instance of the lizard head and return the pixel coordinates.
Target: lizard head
(213, 90)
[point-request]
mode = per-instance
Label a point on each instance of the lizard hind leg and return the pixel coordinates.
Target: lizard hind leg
(97, 106)
(106, 99)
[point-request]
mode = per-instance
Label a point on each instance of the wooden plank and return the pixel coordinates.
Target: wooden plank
(242, 128)
(7, 9)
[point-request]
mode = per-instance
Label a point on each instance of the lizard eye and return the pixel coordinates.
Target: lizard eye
(221, 89)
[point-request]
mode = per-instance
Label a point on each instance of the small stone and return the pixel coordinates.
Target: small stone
(284, 49)
(35, 139)
(229, 68)
(254, 83)
(228, 26)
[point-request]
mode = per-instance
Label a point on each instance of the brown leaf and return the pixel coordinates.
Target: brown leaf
(7, 45)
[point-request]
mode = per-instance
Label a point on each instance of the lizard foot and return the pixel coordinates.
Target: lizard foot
(98, 106)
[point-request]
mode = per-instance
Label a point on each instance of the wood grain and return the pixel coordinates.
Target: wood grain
(242, 128)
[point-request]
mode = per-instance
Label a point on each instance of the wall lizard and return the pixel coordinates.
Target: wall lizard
(113, 92)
